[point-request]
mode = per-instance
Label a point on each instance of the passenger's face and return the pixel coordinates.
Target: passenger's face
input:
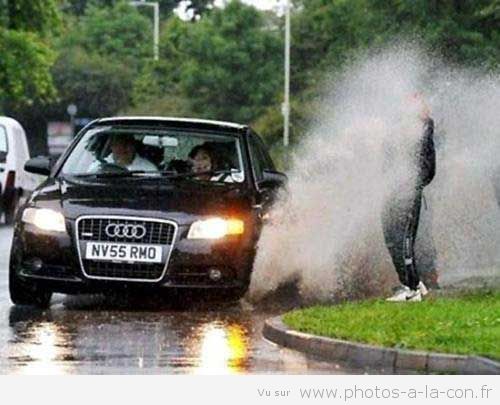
(123, 151)
(202, 162)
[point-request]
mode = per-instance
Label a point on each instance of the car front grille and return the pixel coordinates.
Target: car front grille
(157, 233)
(93, 229)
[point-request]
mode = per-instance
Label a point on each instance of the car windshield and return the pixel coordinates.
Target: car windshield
(128, 151)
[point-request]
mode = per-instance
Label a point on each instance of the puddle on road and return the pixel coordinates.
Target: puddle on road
(90, 334)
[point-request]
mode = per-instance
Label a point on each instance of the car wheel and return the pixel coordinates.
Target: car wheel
(23, 292)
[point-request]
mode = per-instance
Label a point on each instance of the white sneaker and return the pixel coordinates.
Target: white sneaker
(423, 289)
(404, 294)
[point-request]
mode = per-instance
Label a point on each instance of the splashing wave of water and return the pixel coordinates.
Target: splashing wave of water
(326, 234)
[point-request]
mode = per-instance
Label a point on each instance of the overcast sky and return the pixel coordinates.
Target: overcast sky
(261, 4)
(264, 4)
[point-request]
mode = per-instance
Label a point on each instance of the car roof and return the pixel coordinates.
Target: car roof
(171, 121)
(9, 122)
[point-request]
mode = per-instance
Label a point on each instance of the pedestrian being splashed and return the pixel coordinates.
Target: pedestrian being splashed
(410, 163)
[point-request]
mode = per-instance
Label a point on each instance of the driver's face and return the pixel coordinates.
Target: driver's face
(123, 151)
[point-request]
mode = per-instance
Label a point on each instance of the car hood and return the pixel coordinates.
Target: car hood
(182, 201)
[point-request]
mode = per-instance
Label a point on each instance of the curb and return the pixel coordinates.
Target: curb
(369, 356)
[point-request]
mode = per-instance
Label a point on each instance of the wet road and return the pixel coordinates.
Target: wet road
(90, 334)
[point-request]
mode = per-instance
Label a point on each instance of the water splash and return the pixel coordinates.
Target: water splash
(326, 233)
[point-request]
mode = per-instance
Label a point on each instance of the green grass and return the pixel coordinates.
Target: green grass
(465, 324)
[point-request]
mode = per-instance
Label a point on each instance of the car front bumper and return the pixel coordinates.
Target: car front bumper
(52, 260)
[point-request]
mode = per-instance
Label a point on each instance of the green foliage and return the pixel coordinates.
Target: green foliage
(3, 13)
(78, 7)
(24, 69)
(100, 56)
(227, 65)
(38, 16)
(118, 32)
(25, 57)
(327, 32)
(98, 85)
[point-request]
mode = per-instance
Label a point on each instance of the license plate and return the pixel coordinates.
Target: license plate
(123, 252)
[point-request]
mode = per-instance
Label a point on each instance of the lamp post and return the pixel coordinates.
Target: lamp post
(72, 110)
(156, 25)
(286, 102)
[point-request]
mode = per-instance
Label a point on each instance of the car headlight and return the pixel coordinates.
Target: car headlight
(215, 228)
(45, 219)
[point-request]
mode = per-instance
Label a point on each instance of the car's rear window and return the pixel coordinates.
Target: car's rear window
(155, 151)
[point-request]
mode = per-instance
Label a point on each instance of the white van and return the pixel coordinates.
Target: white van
(15, 183)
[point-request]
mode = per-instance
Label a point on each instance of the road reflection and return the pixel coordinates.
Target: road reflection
(224, 350)
(38, 345)
(198, 341)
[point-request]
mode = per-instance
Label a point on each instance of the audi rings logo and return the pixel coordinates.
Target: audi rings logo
(125, 231)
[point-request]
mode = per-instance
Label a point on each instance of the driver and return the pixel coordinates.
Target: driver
(124, 154)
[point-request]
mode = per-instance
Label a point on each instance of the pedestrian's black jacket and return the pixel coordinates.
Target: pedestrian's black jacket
(423, 161)
(426, 155)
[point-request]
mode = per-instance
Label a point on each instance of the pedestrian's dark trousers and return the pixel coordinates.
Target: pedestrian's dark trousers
(400, 224)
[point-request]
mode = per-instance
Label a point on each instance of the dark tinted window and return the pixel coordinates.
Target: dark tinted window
(260, 158)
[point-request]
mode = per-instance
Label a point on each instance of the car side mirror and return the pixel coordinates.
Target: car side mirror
(39, 165)
(3, 156)
(273, 179)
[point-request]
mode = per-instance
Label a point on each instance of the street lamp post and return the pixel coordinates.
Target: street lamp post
(286, 102)
(156, 25)
(72, 110)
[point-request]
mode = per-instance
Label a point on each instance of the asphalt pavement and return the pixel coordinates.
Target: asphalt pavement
(99, 335)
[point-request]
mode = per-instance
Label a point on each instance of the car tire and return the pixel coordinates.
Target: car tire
(23, 292)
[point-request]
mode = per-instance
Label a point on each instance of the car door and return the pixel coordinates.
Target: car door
(4, 149)
(261, 161)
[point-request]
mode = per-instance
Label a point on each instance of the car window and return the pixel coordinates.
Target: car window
(3, 140)
(266, 159)
(260, 158)
(108, 149)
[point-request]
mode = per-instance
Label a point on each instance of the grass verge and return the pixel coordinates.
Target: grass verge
(464, 324)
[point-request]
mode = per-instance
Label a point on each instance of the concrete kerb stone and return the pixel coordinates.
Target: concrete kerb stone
(482, 365)
(365, 355)
(411, 360)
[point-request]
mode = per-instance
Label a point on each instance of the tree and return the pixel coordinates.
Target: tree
(98, 85)
(225, 66)
(327, 32)
(118, 32)
(100, 56)
(24, 69)
(78, 7)
(37, 16)
(26, 57)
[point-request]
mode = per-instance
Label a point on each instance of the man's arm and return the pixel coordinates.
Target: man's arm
(427, 154)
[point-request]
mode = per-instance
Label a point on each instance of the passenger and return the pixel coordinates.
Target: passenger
(205, 160)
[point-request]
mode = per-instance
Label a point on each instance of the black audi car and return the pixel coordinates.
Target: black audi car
(142, 204)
